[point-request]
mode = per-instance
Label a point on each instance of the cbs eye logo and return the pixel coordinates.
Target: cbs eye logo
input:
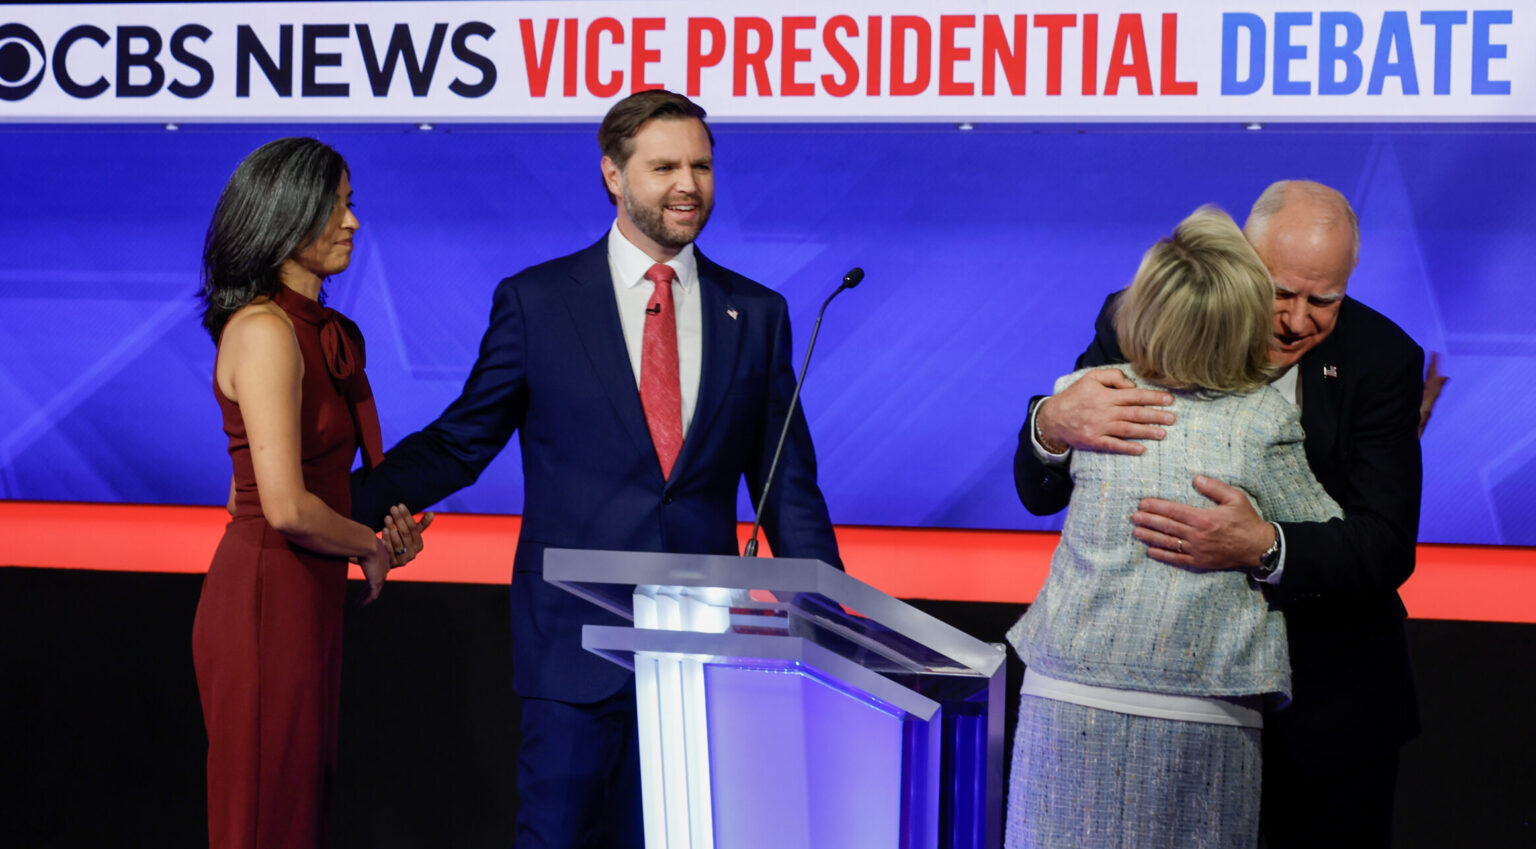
(22, 62)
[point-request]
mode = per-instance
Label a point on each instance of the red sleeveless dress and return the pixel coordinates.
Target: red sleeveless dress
(266, 642)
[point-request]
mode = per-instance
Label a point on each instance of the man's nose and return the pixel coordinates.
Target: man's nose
(1295, 318)
(685, 179)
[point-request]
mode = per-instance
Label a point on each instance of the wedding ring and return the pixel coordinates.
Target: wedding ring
(1181, 547)
(399, 551)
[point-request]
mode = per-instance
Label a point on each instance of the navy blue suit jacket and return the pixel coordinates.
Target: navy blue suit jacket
(1353, 691)
(553, 367)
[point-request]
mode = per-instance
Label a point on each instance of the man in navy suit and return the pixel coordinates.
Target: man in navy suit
(644, 382)
(1330, 758)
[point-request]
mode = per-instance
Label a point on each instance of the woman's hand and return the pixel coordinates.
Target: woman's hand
(402, 534)
(375, 568)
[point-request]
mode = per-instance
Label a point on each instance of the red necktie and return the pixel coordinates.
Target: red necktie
(660, 388)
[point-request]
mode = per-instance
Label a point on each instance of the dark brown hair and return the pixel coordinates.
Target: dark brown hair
(616, 136)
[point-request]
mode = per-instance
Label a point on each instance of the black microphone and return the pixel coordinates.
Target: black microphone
(850, 280)
(653, 309)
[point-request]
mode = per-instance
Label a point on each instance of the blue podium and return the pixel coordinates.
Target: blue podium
(783, 703)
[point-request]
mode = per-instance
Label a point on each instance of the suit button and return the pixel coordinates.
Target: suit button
(666, 499)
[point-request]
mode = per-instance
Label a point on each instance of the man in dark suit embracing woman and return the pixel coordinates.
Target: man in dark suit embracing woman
(644, 381)
(1330, 757)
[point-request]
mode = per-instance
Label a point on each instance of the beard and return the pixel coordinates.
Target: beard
(651, 220)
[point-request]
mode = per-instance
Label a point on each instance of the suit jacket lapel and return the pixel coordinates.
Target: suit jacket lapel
(1322, 393)
(595, 315)
(722, 343)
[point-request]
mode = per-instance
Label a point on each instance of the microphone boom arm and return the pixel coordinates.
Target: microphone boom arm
(850, 280)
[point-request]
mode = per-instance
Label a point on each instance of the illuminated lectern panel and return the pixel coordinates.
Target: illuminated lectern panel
(783, 703)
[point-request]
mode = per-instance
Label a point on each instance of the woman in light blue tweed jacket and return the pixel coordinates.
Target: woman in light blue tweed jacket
(1142, 703)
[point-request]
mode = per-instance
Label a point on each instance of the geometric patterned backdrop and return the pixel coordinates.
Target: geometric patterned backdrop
(987, 252)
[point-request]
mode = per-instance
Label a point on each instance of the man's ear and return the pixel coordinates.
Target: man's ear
(612, 177)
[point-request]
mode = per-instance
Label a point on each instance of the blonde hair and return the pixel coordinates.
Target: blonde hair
(1199, 313)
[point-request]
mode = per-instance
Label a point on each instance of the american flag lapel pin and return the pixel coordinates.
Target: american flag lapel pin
(1330, 370)
(731, 311)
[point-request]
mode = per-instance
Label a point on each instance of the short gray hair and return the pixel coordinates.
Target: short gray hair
(1274, 199)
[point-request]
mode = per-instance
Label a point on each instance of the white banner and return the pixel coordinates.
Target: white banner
(776, 60)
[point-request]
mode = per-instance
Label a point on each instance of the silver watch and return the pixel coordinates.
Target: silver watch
(1269, 561)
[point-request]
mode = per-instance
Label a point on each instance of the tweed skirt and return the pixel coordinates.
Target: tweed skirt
(1085, 778)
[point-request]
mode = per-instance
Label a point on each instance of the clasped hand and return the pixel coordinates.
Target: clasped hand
(402, 534)
(398, 544)
(1105, 411)
(1228, 535)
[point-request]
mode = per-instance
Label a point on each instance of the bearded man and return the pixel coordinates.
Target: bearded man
(645, 381)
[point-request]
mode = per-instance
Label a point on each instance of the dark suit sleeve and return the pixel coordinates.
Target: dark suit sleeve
(1046, 489)
(795, 517)
(1104, 350)
(1370, 553)
(451, 452)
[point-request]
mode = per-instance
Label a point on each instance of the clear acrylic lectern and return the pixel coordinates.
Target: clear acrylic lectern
(785, 705)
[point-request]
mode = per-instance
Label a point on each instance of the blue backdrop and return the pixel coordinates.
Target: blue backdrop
(988, 253)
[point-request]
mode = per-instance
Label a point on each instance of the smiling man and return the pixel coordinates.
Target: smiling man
(1330, 758)
(646, 381)
(1308, 238)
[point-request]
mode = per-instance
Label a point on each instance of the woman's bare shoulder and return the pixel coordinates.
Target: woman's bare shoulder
(259, 323)
(258, 334)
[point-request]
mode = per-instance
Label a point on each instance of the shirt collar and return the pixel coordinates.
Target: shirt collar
(631, 263)
(1288, 383)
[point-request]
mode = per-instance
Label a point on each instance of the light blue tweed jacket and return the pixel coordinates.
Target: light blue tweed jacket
(1112, 616)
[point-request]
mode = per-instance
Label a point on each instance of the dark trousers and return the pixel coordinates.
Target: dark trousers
(578, 775)
(1308, 807)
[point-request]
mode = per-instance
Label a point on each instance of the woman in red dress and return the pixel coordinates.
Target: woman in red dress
(289, 380)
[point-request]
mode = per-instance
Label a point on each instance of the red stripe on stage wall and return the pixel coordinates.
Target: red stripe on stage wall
(1468, 582)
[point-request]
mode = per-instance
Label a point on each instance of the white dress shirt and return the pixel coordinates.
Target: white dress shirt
(627, 265)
